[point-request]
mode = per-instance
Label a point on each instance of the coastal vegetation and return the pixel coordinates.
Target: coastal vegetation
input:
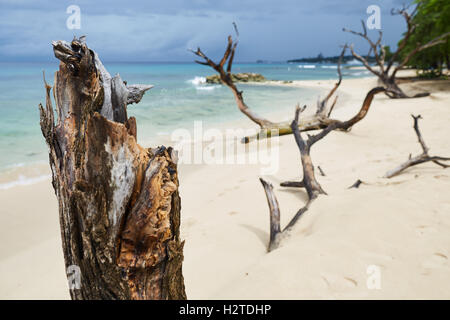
(332, 59)
(387, 63)
(432, 18)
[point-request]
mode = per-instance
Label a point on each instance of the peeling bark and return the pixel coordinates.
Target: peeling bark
(119, 206)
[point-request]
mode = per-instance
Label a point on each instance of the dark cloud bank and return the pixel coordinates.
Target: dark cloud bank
(163, 30)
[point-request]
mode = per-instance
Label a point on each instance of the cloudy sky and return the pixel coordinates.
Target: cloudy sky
(274, 30)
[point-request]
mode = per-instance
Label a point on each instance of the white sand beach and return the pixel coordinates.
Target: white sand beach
(399, 225)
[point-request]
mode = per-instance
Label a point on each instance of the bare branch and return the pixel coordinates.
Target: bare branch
(321, 171)
(373, 46)
(225, 77)
(322, 104)
(421, 158)
(293, 184)
(364, 62)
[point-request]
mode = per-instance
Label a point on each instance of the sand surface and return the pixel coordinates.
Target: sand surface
(396, 230)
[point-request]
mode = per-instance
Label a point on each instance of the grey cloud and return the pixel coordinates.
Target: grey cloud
(163, 30)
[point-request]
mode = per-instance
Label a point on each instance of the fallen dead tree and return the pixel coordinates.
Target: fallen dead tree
(320, 120)
(309, 181)
(421, 158)
(387, 71)
(119, 206)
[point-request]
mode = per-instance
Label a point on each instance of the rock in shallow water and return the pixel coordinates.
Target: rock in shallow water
(238, 77)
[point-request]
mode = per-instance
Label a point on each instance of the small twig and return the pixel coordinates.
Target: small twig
(321, 171)
(321, 105)
(356, 184)
(293, 184)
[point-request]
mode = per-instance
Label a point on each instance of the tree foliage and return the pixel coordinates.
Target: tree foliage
(432, 19)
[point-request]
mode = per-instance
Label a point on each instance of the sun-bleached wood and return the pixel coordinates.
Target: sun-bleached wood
(421, 158)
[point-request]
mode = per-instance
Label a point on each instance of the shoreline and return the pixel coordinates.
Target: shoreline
(400, 225)
(31, 173)
(24, 174)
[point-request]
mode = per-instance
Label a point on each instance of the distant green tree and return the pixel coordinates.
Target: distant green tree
(432, 18)
(389, 53)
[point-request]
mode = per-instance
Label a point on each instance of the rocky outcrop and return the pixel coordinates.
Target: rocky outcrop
(238, 77)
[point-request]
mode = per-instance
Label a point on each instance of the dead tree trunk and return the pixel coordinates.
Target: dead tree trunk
(119, 206)
(421, 158)
(386, 73)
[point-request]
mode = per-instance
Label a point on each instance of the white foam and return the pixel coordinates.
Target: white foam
(359, 73)
(208, 88)
(197, 81)
(329, 67)
(354, 62)
(307, 66)
(24, 181)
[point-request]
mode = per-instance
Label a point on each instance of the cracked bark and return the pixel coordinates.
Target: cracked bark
(119, 206)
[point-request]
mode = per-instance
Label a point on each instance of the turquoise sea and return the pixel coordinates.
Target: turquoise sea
(179, 98)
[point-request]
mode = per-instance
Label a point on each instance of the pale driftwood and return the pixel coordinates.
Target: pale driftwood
(421, 158)
(309, 181)
(320, 120)
(339, 125)
(386, 73)
(119, 206)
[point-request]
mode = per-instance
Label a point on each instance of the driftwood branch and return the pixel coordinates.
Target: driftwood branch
(225, 77)
(421, 158)
(119, 206)
(309, 181)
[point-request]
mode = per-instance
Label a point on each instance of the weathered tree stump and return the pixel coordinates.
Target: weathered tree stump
(119, 206)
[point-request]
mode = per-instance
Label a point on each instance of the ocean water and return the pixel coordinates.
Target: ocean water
(179, 98)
